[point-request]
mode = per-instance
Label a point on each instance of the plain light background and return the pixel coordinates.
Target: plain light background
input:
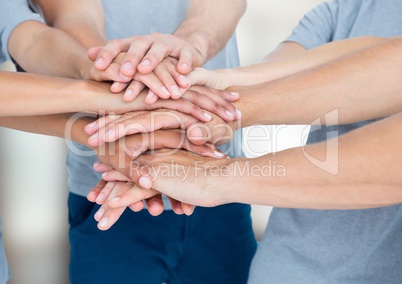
(33, 191)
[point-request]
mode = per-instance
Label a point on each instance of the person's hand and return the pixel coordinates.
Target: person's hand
(216, 79)
(109, 192)
(119, 155)
(106, 129)
(135, 144)
(145, 55)
(198, 102)
(187, 177)
(105, 191)
(163, 81)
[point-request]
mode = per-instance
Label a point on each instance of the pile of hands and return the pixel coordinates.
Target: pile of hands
(185, 113)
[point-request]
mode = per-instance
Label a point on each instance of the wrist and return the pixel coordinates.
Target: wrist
(199, 41)
(85, 67)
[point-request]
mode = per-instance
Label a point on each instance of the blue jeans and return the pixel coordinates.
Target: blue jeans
(214, 245)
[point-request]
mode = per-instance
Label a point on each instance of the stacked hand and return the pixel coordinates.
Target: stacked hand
(175, 115)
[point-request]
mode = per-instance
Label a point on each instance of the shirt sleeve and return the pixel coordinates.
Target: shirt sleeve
(317, 26)
(13, 13)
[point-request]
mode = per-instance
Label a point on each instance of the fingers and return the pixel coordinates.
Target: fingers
(114, 175)
(93, 194)
(118, 87)
(163, 139)
(155, 205)
(188, 209)
(200, 76)
(135, 54)
(93, 52)
(185, 64)
(132, 123)
(111, 73)
(215, 132)
(157, 52)
(134, 195)
(132, 91)
(181, 208)
(107, 215)
(212, 102)
(110, 51)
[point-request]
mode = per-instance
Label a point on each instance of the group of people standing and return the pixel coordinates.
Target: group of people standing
(326, 227)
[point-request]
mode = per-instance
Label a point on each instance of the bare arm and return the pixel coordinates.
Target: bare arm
(24, 94)
(364, 173)
(361, 85)
(41, 49)
(52, 125)
(209, 24)
(60, 50)
(287, 59)
(84, 20)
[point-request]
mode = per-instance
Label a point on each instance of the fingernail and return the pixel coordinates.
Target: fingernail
(99, 61)
(145, 183)
(239, 114)
(103, 222)
(100, 213)
(104, 174)
(151, 96)
(229, 113)
(115, 199)
(115, 85)
(165, 91)
(234, 94)
(90, 194)
(128, 93)
(176, 91)
(123, 77)
(91, 125)
(100, 197)
(145, 62)
(207, 116)
(218, 154)
(114, 116)
(127, 66)
(184, 65)
(96, 164)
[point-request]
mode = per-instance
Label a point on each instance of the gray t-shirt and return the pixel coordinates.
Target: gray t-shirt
(335, 246)
(141, 17)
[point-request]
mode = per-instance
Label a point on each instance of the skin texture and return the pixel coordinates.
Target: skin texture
(348, 181)
(61, 50)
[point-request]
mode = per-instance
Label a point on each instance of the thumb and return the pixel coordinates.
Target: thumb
(199, 76)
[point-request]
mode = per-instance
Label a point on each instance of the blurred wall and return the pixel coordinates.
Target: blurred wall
(33, 187)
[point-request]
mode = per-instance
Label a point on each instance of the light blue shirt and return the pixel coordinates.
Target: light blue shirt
(334, 246)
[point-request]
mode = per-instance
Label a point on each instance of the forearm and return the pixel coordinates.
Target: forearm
(361, 85)
(23, 94)
(82, 19)
(363, 172)
(210, 28)
(52, 125)
(284, 62)
(40, 49)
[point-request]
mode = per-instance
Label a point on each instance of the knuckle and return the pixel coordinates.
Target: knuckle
(115, 43)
